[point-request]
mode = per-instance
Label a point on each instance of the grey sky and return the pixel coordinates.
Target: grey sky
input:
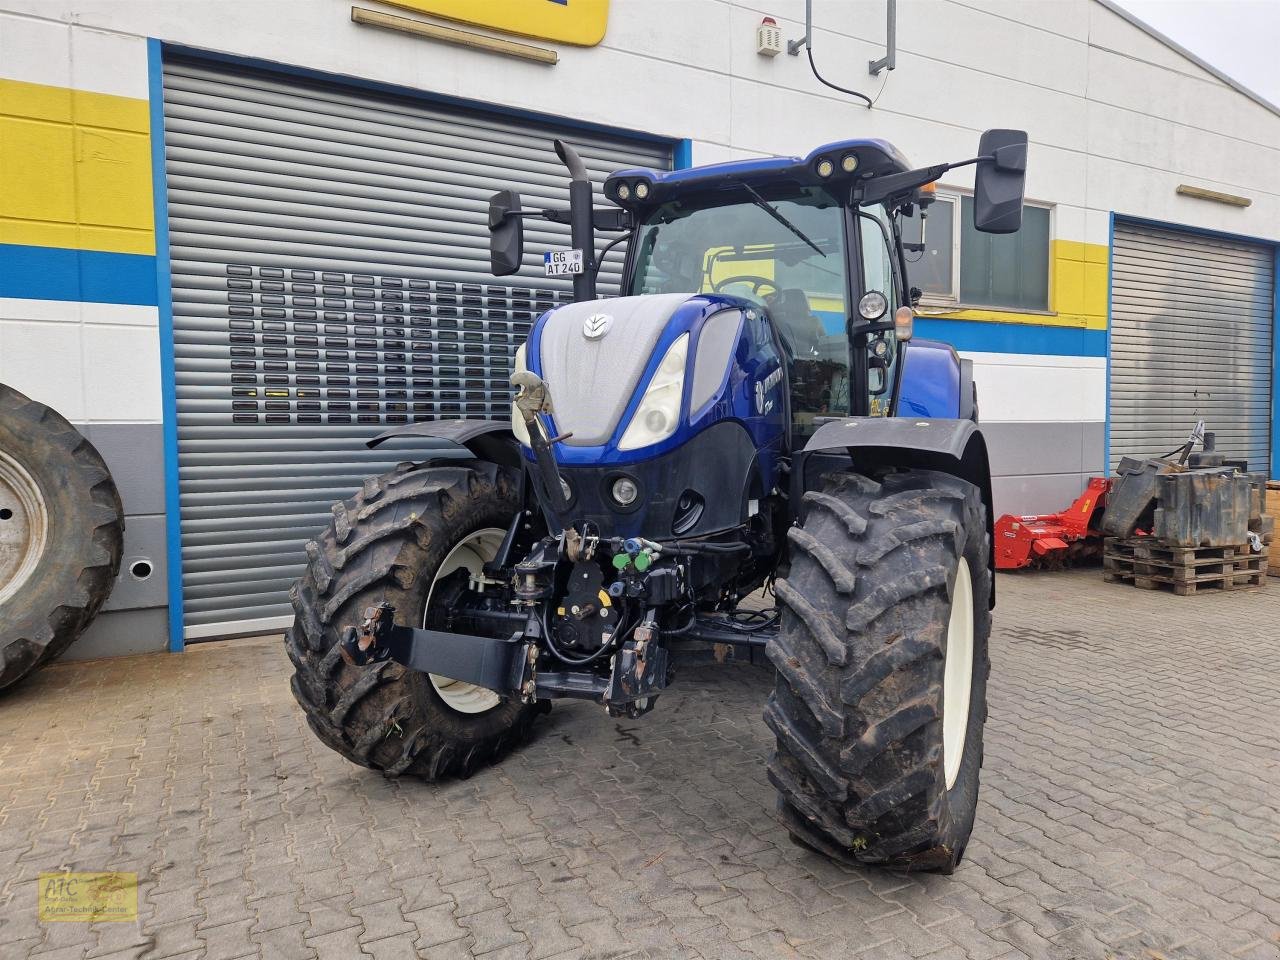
(1239, 37)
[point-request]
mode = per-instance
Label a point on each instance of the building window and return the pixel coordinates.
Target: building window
(933, 269)
(962, 266)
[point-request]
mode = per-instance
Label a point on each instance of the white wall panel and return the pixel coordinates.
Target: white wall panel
(1016, 387)
(121, 373)
(35, 51)
(109, 62)
(44, 361)
(91, 362)
(57, 55)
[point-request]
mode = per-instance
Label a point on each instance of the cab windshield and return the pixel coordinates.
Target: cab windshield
(788, 256)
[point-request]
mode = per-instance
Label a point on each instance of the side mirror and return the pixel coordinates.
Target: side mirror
(506, 233)
(1000, 182)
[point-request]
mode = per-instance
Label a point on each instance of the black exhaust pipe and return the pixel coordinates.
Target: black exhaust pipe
(581, 229)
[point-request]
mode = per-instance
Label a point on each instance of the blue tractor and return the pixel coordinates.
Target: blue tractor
(751, 419)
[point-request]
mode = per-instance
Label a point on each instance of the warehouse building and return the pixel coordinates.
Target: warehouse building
(240, 239)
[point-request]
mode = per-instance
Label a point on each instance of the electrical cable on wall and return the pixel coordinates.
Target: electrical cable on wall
(884, 65)
(808, 48)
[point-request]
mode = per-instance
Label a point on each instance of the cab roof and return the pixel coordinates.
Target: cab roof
(770, 176)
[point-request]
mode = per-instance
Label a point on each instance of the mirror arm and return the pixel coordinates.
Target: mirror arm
(896, 184)
(606, 218)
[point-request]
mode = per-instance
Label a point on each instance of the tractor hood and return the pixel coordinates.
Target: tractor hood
(635, 377)
(592, 356)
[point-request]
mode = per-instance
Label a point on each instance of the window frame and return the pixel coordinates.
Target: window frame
(952, 301)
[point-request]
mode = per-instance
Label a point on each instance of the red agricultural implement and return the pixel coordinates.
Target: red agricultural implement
(1054, 539)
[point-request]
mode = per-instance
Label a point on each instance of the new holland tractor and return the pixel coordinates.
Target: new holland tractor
(750, 418)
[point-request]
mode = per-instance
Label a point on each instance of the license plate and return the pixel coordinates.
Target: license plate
(562, 263)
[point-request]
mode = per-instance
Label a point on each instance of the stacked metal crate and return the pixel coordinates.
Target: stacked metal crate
(1185, 528)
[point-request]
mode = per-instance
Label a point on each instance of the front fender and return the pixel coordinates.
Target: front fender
(490, 440)
(956, 447)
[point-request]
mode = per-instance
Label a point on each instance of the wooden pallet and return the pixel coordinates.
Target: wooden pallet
(1182, 570)
(1273, 509)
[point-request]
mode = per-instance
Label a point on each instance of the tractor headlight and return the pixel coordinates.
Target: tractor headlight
(517, 421)
(642, 190)
(825, 167)
(624, 191)
(658, 414)
(872, 305)
(625, 491)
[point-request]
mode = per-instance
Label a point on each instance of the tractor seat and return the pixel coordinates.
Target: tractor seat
(797, 324)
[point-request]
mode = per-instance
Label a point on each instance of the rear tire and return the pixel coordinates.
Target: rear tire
(387, 543)
(885, 618)
(61, 534)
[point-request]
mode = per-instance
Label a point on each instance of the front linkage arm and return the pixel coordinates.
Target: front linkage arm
(509, 667)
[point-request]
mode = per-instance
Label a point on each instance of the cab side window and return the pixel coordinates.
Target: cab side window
(879, 273)
(877, 255)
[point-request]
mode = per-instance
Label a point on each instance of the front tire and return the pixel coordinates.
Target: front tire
(880, 696)
(390, 542)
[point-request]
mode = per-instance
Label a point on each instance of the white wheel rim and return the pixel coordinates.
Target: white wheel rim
(472, 553)
(24, 526)
(957, 677)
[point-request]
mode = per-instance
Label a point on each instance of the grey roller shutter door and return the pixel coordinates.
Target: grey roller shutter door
(330, 279)
(1191, 331)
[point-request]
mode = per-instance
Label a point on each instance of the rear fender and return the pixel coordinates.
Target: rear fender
(490, 440)
(956, 447)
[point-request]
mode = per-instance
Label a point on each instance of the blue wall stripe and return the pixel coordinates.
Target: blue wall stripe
(1275, 370)
(1106, 424)
(56, 273)
(168, 375)
(984, 336)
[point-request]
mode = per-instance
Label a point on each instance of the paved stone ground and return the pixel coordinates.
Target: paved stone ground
(1130, 808)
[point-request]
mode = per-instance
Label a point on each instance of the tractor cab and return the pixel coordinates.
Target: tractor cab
(790, 257)
(812, 243)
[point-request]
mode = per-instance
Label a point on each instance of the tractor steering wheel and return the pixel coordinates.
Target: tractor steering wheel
(756, 283)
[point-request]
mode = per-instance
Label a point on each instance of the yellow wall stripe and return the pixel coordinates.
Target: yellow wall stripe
(1077, 292)
(76, 169)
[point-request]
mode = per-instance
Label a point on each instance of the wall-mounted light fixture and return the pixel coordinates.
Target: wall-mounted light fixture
(1200, 193)
(462, 38)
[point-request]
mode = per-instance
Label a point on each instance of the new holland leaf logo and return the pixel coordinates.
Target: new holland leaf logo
(596, 326)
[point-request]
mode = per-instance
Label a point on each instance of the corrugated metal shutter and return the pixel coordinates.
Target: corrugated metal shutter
(330, 278)
(1191, 329)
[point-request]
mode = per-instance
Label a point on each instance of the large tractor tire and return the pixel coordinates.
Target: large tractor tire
(881, 657)
(61, 534)
(393, 541)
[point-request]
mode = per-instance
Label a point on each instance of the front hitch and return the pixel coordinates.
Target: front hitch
(503, 666)
(509, 667)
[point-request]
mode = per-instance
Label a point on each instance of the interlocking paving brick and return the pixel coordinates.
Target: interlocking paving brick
(435, 925)
(1130, 799)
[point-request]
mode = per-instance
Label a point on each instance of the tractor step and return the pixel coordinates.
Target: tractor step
(1182, 570)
